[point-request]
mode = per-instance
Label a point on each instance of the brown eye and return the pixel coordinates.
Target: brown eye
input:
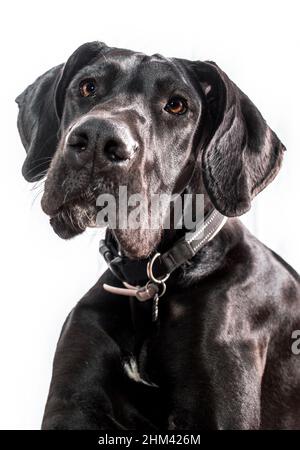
(87, 88)
(176, 105)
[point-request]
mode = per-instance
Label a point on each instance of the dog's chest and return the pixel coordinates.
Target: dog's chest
(168, 356)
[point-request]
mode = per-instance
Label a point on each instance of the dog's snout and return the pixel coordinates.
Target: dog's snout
(106, 140)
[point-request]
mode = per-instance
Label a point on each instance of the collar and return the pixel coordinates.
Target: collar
(146, 278)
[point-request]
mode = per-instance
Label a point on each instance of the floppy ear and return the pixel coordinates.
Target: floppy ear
(41, 107)
(242, 155)
(38, 124)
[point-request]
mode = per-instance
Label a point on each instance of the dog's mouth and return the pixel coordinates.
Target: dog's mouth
(74, 216)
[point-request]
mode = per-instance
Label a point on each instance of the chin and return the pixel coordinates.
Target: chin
(139, 243)
(73, 219)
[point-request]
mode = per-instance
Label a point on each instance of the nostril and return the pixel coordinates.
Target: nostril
(78, 141)
(115, 151)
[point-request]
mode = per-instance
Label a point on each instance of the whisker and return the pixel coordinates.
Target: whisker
(36, 196)
(40, 161)
(38, 184)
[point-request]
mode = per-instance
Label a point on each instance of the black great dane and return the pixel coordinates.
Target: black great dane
(219, 354)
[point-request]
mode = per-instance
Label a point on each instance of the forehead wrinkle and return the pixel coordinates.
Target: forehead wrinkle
(124, 68)
(166, 83)
(172, 75)
(151, 74)
(98, 69)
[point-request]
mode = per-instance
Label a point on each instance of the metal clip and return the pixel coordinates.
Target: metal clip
(156, 300)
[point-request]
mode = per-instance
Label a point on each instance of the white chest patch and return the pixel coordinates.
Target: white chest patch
(131, 368)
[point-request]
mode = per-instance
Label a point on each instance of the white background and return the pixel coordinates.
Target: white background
(42, 277)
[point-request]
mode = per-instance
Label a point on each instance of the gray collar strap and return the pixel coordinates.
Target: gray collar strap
(186, 247)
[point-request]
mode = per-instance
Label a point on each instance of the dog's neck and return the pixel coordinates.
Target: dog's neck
(214, 255)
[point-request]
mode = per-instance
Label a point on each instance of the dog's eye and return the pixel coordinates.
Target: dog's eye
(87, 87)
(176, 105)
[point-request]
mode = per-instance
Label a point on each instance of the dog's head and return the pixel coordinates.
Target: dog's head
(111, 117)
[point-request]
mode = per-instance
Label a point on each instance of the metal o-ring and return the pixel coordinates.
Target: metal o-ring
(150, 271)
(161, 285)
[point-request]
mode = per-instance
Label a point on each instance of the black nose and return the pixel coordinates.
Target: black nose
(109, 141)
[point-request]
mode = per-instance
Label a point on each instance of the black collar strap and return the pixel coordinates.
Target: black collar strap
(137, 272)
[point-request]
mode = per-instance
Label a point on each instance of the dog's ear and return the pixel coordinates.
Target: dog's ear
(41, 107)
(38, 123)
(242, 154)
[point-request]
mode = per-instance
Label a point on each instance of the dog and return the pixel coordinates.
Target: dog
(219, 356)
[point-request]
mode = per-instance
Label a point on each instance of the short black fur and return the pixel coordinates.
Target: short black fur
(221, 357)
